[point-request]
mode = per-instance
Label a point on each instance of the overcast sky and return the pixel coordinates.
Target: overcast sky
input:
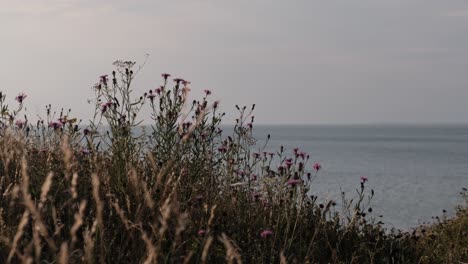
(301, 62)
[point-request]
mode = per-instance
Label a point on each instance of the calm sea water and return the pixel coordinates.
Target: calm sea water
(415, 171)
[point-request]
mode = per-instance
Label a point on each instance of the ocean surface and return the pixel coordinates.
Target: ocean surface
(415, 171)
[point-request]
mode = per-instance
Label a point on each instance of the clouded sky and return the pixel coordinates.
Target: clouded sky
(310, 61)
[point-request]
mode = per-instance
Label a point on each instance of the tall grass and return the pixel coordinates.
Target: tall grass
(183, 192)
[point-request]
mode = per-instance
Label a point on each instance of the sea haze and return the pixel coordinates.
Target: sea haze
(415, 171)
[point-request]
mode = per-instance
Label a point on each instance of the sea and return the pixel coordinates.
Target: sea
(416, 171)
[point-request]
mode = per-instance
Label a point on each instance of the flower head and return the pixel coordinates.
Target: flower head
(294, 182)
(55, 124)
(364, 179)
(201, 232)
(165, 75)
(266, 233)
(20, 98)
(207, 92)
(317, 166)
(20, 123)
(85, 151)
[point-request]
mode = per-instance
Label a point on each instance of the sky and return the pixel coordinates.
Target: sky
(300, 62)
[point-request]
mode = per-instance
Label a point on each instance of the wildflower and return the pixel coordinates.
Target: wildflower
(158, 90)
(317, 166)
(215, 104)
(296, 150)
(266, 233)
(165, 75)
(185, 82)
(85, 151)
(256, 155)
(363, 179)
(178, 80)
(253, 177)
(103, 79)
(105, 106)
(55, 125)
(222, 149)
(201, 232)
(151, 96)
(207, 92)
(302, 154)
(280, 169)
(293, 182)
(20, 98)
(20, 123)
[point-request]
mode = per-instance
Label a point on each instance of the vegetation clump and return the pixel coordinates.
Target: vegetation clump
(182, 190)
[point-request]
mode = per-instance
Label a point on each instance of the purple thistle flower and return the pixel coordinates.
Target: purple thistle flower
(294, 182)
(85, 151)
(207, 92)
(55, 125)
(20, 123)
(317, 166)
(165, 75)
(364, 179)
(20, 98)
(266, 233)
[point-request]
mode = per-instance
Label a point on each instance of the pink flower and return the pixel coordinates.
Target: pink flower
(296, 150)
(317, 166)
(294, 182)
(266, 233)
(201, 232)
(55, 125)
(363, 179)
(105, 106)
(207, 92)
(20, 123)
(20, 98)
(85, 151)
